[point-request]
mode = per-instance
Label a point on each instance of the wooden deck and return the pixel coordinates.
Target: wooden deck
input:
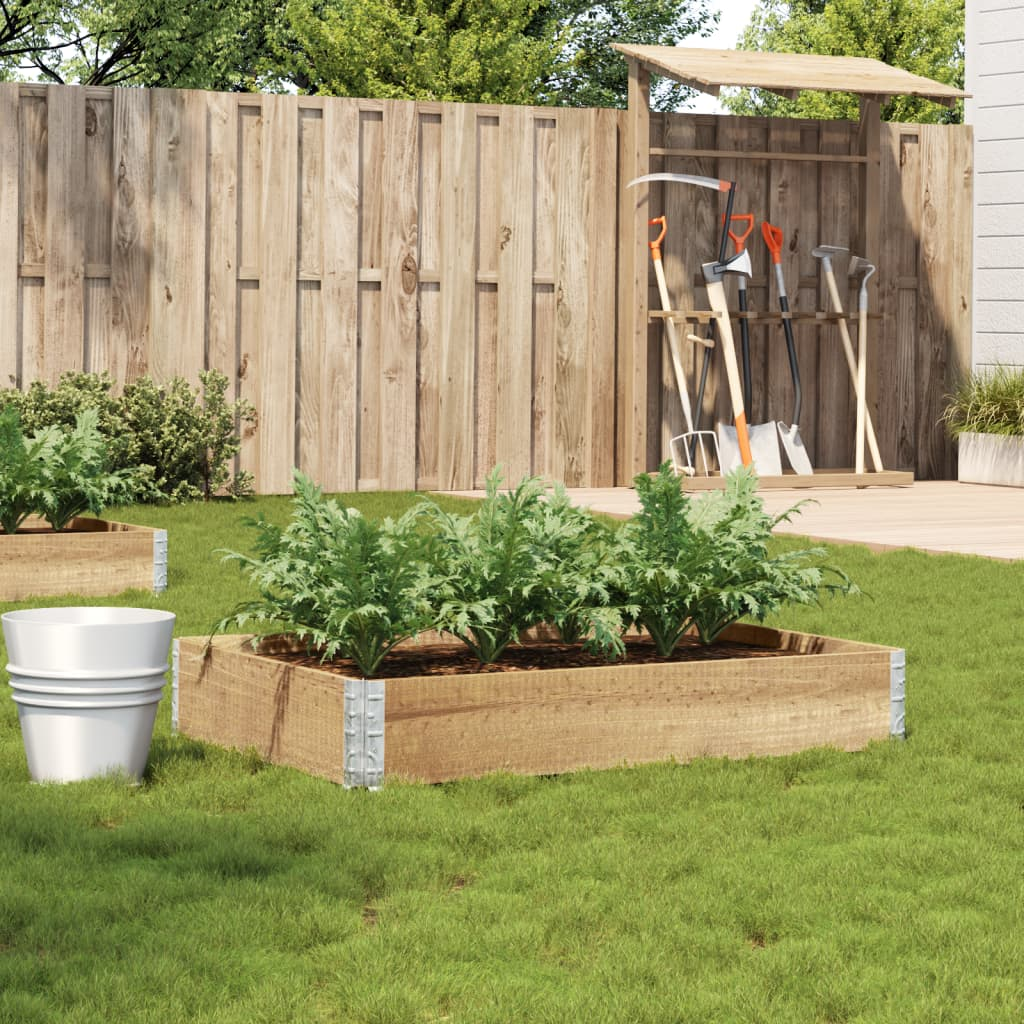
(937, 516)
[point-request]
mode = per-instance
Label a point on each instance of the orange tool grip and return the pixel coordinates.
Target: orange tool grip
(655, 243)
(740, 239)
(773, 239)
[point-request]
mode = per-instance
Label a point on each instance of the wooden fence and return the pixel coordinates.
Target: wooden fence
(412, 293)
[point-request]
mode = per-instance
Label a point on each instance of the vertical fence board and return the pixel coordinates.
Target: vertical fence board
(372, 203)
(99, 353)
(487, 213)
(835, 392)
(250, 212)
(9, 252)
(178, 270)
(222, 259)
(514, 344)
(311, 191)
(278, 300)
(309, 393)
(399, 298)
(339, 299)
(485, 382)
(544, 223)
(571, 455)
(131, 233)
(602, 232)
(64, 298)
(430, 331)
(458, 295)
(98, 180)
(428, 348)
(32, 290)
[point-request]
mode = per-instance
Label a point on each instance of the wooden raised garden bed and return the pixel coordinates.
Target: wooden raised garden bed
(92, 557)
(794, 691)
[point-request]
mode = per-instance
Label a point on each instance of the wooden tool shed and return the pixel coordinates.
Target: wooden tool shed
(708, 71)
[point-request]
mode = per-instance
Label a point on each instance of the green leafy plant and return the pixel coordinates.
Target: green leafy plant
(494, 566)
(346, 585)
(74, 477)
(987, 402)
(704, 564)
(21, 464)
(524, 558)
(55, 473)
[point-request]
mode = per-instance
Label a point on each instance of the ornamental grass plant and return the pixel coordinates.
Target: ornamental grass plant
(987, 401)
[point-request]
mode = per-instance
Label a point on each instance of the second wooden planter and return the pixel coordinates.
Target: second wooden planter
(815, 691)
(93, 557)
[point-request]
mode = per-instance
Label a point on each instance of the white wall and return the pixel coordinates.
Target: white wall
(995, 78)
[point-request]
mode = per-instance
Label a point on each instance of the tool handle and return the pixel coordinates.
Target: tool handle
(740, 239)
(655, 244)
(773, 239)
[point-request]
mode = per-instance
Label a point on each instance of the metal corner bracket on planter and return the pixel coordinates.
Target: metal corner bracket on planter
(87, 682)
(814, 691)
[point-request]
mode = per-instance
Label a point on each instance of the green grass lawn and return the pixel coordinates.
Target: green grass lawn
(886, 885)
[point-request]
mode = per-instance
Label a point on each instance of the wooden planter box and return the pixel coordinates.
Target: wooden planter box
(820, 692)
(92, 557)
(991, 459)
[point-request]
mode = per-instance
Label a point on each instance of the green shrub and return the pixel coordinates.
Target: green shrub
(178, 441)
(987, 402)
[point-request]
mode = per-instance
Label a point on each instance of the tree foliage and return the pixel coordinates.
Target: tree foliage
(489, 51)
(925, 37)
(213, 44)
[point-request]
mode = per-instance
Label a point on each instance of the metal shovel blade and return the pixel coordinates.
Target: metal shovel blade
(764, 448)
(795, 450)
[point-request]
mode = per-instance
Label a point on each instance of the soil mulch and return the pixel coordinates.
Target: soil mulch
(450, 659)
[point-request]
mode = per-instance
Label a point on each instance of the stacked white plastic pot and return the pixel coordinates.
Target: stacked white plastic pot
(87, 682)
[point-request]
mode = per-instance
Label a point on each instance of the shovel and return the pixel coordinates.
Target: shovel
(693, 440)
(825, 254)
(791, 440)
(764, 438)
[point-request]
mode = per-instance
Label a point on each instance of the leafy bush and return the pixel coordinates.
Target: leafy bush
(525, 557)
(342, 583)
(518, 561)
(987, 402)
(178, 441)
(704, 563)
(55, 474)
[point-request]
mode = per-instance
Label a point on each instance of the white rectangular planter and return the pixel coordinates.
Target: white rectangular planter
(991, 459)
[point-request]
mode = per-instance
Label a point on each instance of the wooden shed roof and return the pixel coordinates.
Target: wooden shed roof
(785, 73)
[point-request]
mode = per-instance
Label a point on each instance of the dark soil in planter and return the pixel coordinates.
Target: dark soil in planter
(448, 659)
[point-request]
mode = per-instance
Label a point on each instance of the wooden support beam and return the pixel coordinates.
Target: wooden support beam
(870, 146)
(631, 388)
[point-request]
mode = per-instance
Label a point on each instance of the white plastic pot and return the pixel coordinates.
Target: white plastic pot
(87, 682)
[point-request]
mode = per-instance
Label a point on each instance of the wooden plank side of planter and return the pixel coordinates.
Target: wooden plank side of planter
(829, 692)
(290, 714)
(93, 557)
(547, 722)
